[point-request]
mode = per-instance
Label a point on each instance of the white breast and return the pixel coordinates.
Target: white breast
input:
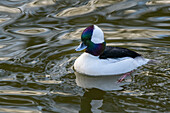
(92, 65)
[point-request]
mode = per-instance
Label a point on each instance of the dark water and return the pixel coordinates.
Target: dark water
(37, 42)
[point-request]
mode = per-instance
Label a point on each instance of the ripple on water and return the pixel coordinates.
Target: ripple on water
(13, 3)
(159, 19)
(3, 46)
(41, 3)
(88, 7)
(4, 58)
(5, 38)
(30, 31)
(9, 9)
(76, 34)
(19, 110)
(77, 10)
(2, 20)
(25, 92)
(157, 2)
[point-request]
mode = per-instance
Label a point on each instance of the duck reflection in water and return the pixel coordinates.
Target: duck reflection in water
(105, 83)
(93, 102)
(95, 91)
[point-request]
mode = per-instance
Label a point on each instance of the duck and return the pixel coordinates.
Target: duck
(101, 60)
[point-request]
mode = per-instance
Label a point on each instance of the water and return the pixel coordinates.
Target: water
(37, 42)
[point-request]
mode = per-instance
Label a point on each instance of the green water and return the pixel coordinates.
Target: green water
(37, 52)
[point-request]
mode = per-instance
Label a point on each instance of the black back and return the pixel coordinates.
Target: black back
(117, 52)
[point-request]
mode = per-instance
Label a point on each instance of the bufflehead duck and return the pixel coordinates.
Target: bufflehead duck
(101, 60)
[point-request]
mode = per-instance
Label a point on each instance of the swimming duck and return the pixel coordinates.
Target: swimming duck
(101, 60)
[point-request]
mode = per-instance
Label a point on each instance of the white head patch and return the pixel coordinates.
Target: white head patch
(97, 36)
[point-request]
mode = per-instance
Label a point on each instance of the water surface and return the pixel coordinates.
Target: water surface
(37, 42)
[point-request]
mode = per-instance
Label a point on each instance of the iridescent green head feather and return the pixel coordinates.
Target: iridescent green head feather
(92, 40)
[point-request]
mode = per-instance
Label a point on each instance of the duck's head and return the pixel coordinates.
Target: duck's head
(92, 41)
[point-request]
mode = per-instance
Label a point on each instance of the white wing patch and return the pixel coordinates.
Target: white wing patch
(92, 65)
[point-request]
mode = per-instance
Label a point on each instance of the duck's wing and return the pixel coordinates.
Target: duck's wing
(118, 52)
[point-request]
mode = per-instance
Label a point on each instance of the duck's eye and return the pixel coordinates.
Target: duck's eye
(87, 42)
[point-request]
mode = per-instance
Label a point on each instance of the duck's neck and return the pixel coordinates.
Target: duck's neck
(96, 49)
